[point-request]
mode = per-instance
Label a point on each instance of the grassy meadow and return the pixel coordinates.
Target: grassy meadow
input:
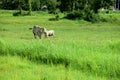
(80, 50)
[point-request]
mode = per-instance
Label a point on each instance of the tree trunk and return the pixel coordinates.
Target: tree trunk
(30, 7)
(20, 7)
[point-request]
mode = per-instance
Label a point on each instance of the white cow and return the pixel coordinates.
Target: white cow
(49, 32)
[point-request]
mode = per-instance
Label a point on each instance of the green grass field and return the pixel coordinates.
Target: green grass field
(80, 50)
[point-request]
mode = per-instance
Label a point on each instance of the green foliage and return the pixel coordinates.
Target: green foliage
(16, 14)
(11, 4)
(36, 5)
(30, 7)
(91, 16)
(75, 15)
(51, 5)
(66, 5)
(89, 9)
(95, 5)
(87, 15)
(73, 7)
(63, 5)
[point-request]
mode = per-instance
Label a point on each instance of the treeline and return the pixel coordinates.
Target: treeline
(76, 9)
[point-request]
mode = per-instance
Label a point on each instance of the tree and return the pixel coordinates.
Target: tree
(51, 5)
(20, 7)
(36, 5)
(66, 5)
(95, 5)
(30, 7)
(85, 9)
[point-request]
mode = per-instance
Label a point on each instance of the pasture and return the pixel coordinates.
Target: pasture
(80, 50)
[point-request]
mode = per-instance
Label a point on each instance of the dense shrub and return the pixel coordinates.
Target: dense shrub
(55, 19)
(75, 15)
(23, 13)
(91, 16)
(87, 15)
(16, 14)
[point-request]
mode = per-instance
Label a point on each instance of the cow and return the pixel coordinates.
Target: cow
(37, 31)
(49, 32)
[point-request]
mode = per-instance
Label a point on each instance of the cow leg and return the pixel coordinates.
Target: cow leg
(40, 35)
(35, 36)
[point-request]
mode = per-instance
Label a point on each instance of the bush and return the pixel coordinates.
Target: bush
(75, 15)
(16, 14)
(87, 15)
(55, 19)
(24, 13)
(91, 16)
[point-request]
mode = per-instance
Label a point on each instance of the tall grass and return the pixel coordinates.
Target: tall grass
(16, 68)
(79, 47)
(97, 60)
